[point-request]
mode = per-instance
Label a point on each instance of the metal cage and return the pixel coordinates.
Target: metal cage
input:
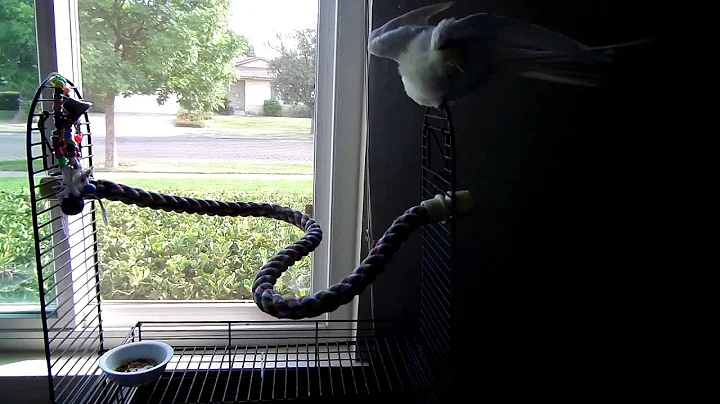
(312, 365)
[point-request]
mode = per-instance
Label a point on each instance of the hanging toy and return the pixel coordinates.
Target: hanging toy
(67, 150)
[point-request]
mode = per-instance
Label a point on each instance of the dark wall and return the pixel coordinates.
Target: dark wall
(546, 293)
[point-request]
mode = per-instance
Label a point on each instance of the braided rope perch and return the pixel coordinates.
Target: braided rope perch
(82, 186)
(265, 298)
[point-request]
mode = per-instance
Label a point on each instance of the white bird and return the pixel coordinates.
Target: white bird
(445, 63)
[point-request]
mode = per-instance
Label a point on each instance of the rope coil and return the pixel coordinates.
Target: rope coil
(264, 296)
(78, 184)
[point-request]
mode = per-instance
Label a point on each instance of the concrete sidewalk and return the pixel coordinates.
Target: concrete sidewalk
(112, 176)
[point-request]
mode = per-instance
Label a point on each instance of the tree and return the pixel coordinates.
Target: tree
(158, 48)
(18, 49)
(293, 70)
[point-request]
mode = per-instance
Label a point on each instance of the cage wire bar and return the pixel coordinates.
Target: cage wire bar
(67, 264)
(230, 362)
(438, 242)
(313, 365)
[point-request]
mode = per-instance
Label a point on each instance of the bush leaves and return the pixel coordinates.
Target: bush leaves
(154, 255)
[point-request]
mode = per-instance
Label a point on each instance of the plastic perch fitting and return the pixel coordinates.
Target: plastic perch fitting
(439, 207)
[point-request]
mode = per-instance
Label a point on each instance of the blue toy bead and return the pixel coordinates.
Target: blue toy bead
(72, 205)
(89, 189)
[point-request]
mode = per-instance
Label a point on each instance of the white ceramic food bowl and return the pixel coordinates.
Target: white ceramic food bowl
(157, 351)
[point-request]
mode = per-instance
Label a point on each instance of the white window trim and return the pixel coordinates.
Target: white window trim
(339, 171)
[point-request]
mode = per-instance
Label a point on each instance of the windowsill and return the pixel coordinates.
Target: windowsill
(23, 377)
(28, 311)
(23, 364)
(33, 364)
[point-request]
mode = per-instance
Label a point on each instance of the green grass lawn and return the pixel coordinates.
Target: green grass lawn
(13, 184)
(6, 115)
(210, 168)
(13, 165)
(195, 168)
(263, 123)
(197, 186)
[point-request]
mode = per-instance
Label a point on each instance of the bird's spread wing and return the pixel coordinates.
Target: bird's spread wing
(391, 39)
(520, 39)
(520, 47)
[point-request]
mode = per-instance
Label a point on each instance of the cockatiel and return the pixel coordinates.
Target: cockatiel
(447, 62)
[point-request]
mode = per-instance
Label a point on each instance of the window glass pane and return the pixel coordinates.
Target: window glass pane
(18, 83)
(210, 99)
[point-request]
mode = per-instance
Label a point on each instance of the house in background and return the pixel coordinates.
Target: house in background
(252, 87)
(247, 94)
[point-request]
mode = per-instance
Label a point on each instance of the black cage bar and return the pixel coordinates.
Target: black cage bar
(438, 242)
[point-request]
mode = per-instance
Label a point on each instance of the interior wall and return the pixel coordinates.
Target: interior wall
(547, 287)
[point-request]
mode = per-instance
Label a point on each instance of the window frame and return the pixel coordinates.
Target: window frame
(338, 170)
(25, 331)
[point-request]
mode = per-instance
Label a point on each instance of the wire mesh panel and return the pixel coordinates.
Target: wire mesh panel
(438, 177)
(305, 362)
(66, 254)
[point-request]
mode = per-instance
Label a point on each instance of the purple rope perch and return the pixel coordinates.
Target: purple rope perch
(262, 290)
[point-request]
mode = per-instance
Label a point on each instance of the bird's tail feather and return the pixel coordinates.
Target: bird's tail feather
(558, 69)
(610, 49)
(564, 76)
(583, 69)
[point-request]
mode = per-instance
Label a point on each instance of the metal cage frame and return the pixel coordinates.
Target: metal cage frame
(377, 363)
(69, 348)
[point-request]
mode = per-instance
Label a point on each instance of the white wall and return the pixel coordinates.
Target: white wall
(256, 92)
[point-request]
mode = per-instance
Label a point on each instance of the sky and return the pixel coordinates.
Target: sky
(259, 20)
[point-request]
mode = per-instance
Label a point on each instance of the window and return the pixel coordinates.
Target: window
(18, 280)
(19, 78)
(337, 169)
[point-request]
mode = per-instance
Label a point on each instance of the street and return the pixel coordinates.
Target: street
(189, 149)
(155, 138)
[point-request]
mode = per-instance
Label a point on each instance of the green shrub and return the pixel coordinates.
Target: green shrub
(272, 108)
(226, 108)
(189, 124)
(18, 277)
(10, 100)
(186, 115)
(191, 119)
(300, 111)
(146, 254)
